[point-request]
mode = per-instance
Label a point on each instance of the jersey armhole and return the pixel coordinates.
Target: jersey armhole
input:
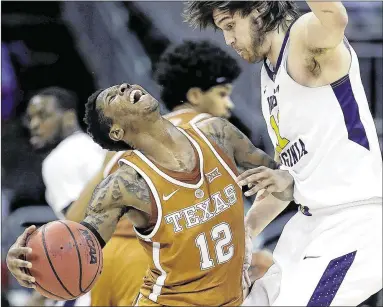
(111, 163)
(154, 198)
(153, 217)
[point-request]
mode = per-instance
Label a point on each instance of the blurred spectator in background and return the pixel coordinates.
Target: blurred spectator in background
(18, 160)
(74, 158)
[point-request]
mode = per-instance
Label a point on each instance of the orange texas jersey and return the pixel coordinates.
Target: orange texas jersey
(196, 248)
(179, 117)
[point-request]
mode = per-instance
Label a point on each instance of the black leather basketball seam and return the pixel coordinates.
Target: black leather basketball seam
(50, 263)
(78, 254)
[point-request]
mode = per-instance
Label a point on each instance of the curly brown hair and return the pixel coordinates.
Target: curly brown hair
(272, 13)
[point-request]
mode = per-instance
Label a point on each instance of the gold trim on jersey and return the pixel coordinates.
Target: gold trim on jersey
(228, 169)
(112, 162)
(160, 281)
(178, 112)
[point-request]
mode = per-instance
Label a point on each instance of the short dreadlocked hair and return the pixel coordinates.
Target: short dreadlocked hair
(98, 125)
(193, 64)
(272, 13)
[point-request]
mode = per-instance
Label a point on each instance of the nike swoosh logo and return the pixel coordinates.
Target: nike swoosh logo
(167, 197)
(308, 257)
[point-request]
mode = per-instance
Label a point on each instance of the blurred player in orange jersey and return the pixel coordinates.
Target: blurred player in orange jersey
(196, 77)
(193, 90)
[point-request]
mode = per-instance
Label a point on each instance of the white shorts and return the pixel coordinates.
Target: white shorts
(331, 258)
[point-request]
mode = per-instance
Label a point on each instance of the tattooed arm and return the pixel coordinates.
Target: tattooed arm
(261, 171)
(123, 192)
(76, 211)
(235, 144)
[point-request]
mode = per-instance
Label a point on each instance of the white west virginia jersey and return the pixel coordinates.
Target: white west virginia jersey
(325, 136)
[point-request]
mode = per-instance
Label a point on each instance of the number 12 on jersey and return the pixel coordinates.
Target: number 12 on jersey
(222, 236)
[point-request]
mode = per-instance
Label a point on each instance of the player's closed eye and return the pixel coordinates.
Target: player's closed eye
(229, 26)
(111, 98)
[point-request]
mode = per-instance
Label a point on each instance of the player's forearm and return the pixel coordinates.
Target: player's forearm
(253, 159)
(264, 210)
(103, 223)
(330, 14)
(235, 144)
(246, 155)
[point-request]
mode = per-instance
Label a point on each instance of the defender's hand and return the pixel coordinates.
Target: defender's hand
(16, 264)
(275, 181)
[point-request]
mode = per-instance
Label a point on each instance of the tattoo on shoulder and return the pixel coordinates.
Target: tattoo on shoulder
(118, 187)
(218, 130)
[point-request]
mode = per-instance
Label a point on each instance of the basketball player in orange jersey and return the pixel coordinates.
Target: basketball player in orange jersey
(190, 87)
(191, 96)
(179, 190)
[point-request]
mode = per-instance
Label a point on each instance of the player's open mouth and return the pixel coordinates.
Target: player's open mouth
(136, 96)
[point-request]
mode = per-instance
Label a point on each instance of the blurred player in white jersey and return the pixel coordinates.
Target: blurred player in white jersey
(316, 110)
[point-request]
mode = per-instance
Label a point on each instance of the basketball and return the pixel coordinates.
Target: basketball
(66, 259)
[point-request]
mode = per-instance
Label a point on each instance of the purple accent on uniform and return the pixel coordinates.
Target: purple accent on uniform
(280, 56)
(343, 92)
(268, 70)
(331, 280)
(69, 303)
(305, 210)
(271, 73)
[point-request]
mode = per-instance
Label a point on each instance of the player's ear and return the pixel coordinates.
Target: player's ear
(194, 95)
(116, 133)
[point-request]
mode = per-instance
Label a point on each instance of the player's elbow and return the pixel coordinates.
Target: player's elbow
(340, 17)
(333, 16)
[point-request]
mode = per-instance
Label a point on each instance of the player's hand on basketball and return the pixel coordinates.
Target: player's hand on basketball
(14, 259)
(272, 180)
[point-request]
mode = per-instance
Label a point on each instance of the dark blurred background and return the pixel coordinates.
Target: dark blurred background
(83, 46)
